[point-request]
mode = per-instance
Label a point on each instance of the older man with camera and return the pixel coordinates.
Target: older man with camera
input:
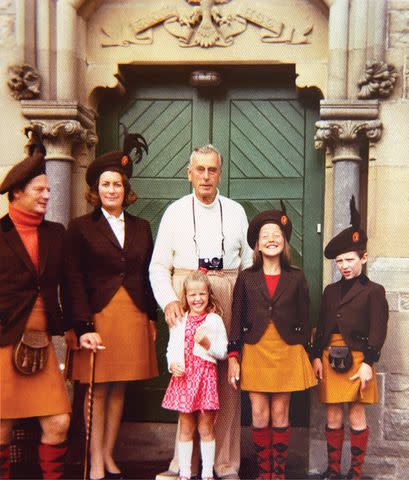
(204, 230)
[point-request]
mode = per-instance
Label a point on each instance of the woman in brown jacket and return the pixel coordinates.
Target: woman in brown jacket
(111, 302)
(348, 340)
(270, 326)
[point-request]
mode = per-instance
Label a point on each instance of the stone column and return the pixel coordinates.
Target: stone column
(67, 58)
(357, 55)
(45, 51)
(65, 126)
(343, 128)
(338, 49)
(377, 35)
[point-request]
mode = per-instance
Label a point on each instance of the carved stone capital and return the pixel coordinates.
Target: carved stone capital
(378, 81)
(345, 124)
(70, 130)
(331, 133)
(24, 82)
(63, 125)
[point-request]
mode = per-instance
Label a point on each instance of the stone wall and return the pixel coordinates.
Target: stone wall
(11, 137)
(388, 195)
(388, 246)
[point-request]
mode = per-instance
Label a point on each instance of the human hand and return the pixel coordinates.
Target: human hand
(154, 330)
(176, 369)
(364, 374)
(91, 341)
(317, 367)
(233, 375)
(201, 338)
(173, 313)
(71, 339)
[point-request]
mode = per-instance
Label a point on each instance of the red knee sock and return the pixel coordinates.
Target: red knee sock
(5, 461)
(280, 441)
(51, 459)
(262, 442)
(359, 442)
(335, 439)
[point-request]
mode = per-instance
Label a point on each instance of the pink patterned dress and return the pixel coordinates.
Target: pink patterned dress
(196, 390)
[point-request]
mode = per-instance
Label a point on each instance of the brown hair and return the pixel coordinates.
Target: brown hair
(213, 305)
(92, 195)
(285, 255)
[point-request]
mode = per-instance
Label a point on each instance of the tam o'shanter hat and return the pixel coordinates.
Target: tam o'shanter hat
(278, 217)
(32, 166)
(118, 161)
(351, 239)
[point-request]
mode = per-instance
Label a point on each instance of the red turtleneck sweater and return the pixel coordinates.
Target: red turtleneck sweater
(27, 227)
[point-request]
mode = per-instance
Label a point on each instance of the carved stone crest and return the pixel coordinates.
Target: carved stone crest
(379, 80)
(24, 82)
(208, 25)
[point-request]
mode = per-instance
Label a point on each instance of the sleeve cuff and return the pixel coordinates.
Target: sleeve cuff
(316, 351)
(234, 347)
(84, 327)
(371, 355)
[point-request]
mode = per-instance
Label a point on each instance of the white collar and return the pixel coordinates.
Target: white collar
(109, 216)
(206, 205)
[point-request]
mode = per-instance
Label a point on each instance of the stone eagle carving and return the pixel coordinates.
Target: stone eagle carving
(209, 16)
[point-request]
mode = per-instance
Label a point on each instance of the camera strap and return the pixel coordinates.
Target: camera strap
(194, 226)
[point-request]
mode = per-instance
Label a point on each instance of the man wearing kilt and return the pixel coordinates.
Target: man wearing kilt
(31, 254)
(349, 337)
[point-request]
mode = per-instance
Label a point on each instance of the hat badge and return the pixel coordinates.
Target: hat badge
(124, 160)
(284, 220)
(355, 237)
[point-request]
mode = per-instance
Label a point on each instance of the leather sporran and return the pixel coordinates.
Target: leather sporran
(31, 353)
(340, 358)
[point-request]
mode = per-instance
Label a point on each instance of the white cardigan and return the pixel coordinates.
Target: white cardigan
(215, 331)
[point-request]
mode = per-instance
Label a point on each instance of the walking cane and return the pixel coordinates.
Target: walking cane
(89, 411)
(67, 364)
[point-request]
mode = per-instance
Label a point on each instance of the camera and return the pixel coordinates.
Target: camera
(215, 263)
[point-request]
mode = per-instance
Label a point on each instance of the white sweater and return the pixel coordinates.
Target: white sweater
(214, 329)
(175, 248)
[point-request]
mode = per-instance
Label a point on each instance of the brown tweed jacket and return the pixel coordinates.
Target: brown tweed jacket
(361, 316)
(96, 266)
(253, 308)
(20, 283)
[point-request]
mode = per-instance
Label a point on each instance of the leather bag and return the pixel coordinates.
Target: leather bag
(340, 358)
(31, 353)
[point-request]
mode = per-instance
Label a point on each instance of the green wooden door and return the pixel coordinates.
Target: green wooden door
(265, 135)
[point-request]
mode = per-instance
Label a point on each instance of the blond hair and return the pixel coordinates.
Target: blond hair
(213, 305)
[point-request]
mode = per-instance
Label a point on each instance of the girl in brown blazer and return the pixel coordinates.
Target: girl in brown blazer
(270, 327)
(111, 302)
(348, 340)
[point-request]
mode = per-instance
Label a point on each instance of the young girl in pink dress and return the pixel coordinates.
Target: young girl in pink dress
(195, 345)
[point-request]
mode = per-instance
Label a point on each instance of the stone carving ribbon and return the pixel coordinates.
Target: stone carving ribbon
(207, 25)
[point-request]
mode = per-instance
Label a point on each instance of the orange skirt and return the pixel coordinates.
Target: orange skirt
(37, 395)
(337, 387)
(271, 365)
(130, 350)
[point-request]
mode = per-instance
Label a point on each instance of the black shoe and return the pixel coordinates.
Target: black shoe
(114, 476)
(328, 475)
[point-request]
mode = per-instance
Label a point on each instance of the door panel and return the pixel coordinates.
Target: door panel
(265, 135)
